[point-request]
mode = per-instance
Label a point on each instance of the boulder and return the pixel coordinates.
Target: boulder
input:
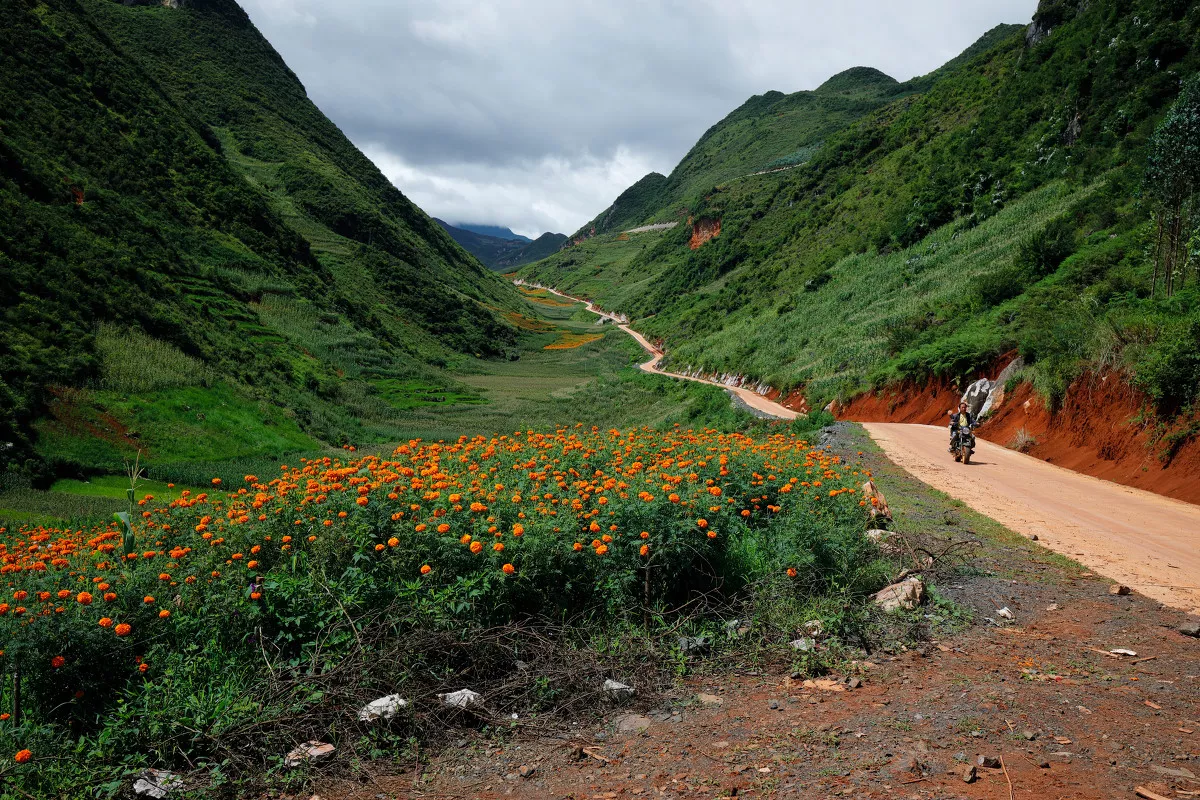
(383, 708)
(464, 699)
(877, 502)
(908, 594)
(308, 753)
(617, 691)
(156, 783)
(976, 395)
(1191, 628)
(632, 723)
(996, 396)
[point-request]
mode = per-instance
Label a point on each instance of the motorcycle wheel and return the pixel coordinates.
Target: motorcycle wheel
(966, 455)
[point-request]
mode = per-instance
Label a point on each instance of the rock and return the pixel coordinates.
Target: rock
(969, 775)
(308, 753)
(976, 395)
(464, 699)
(526, 771)
(1044, 764)
(877, 503)
(882, 540)
(1119, 589)
(617, 691)
(988, 762)
(632, 723)
(908, 764)
(1004, 612)
(382, 708)
(995, 397)
(804, 645)
(1029, 735)
(709, 700)
(1052, 607)
(693, 645)
(1174, 773)
(907, 594)
(773, 704)
(1123, 651)
(156, 783)
(1190, 628)
(853, 682)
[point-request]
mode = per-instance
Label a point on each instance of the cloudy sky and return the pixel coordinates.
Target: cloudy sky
(535, 114)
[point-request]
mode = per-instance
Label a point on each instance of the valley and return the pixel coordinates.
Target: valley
(308, 493)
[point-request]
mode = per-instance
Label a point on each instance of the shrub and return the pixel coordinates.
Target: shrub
(292, 570)
(1169, 370)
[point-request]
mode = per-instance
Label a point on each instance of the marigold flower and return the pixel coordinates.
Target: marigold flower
(84, 598)
(251, 565)
(443, 528)
(578, 546)
(508, 569)
(362, 501)
(4, 717)
(602, 549)
(143, 667)
(256, 595)
(701, 524)
(57, 661)
(216, 481)
(379, 547)
(476, 547)
(162, 614)
(498, 546)
(22, 756)
(644, 550)
(63, 594)
(124, 629)
(106, 622)
(110, 597)
(712, 534)
(791, 573)
(20, 595)
(518, 529)
(426, 569)
(645, 534)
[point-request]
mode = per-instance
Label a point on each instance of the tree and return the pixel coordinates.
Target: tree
(1172, 181)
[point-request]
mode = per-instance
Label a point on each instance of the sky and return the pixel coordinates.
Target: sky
(536, 114)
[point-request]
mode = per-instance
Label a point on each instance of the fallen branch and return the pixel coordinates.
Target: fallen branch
(1010, 786)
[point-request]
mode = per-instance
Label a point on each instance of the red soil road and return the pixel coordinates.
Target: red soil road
(1102, 429)
(1143, 540)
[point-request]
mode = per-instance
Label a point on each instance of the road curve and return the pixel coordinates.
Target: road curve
(653, 364)
(1143, 540)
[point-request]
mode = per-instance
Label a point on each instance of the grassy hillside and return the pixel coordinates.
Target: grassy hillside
(992, 205)
(182, 228)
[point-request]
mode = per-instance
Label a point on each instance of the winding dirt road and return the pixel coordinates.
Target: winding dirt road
(1144, 540)
(749, 397)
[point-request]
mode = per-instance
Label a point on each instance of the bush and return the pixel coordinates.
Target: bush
(336, 560)
(1169, 370)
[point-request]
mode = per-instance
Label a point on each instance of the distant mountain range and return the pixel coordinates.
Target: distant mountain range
(499, 248)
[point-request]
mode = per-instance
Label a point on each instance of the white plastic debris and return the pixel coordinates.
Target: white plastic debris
(156, 783)
(309, 752)
(382, 708)
(618, 691)
(463, 698)
(1004, 612)
(1121, 651)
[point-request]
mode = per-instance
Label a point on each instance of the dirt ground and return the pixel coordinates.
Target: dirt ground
(1042, 694)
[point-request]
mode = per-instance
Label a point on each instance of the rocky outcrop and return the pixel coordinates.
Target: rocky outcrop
(704, 230)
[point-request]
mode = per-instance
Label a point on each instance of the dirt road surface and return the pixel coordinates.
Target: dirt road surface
(1145, 541)
(751, 398)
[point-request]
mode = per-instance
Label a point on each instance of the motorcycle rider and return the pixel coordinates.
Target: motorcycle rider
(960, 419)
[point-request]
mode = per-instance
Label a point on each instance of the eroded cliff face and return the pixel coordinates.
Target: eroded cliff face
(703, 230)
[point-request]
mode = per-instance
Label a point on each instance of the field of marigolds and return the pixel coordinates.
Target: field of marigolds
(238, 622)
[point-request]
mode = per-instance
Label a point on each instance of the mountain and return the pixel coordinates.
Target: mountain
(193, 256)
(503, 253)
(495, 231)
(871, 232)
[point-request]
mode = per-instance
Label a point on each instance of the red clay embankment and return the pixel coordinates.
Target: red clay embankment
(1103, 429)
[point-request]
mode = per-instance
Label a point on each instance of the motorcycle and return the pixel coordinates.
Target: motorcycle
(962, 444)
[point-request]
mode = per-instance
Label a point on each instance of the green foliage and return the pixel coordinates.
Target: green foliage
(1169, 371)
(163, 177)
(990, 205)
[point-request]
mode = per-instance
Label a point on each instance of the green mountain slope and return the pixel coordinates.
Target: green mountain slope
(1037, 136)
(503, 253)
(182, 228)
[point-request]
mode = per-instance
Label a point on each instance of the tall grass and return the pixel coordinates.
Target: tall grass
(132, 362)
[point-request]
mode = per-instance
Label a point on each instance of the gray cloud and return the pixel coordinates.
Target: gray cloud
(536, 113)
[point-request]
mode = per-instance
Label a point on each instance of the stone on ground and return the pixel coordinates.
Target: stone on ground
(617, 691)
(308, 753)
(907, 594)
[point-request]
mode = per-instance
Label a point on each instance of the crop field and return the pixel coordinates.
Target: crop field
(292, 572)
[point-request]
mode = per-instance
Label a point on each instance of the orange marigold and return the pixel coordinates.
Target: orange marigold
(84, 598)
(124, 629)
(23, 756)
(508, 569)
(106, 622)
(57, 661)
(426, 569)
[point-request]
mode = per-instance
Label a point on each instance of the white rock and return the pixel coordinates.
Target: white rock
(309, 752)
(156, 783)
(908, 594)
(618, 691)
(1004, 612)
(382, 708)
(1122, 651)
(463, 698)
